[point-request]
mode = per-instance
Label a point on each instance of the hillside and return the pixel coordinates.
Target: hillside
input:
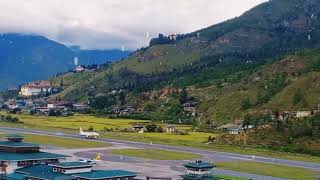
(25, 58)
(223, 66)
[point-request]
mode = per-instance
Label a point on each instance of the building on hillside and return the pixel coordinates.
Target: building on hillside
(286, 115)
(234, 131)
(79, 69)
(123, 110)
(138, 128)
(232, 128)
(171, 129)
(172, 37)
(14, 154)
(36, 88)
(303, 114)
(198, 171)
(190, 107)
(82, 108)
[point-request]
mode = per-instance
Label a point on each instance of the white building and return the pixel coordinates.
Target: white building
(35, 88)
(303, 114)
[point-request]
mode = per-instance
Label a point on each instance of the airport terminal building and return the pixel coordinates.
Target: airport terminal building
(16, 154)
(24, 161)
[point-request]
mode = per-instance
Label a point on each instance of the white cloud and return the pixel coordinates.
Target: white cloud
(111, 23)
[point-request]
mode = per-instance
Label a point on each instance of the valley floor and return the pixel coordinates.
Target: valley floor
(227, 164)
(70, 125)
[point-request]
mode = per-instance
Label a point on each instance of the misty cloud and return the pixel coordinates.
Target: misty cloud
(109, 24)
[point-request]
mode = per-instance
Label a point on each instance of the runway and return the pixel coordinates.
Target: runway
(223, 156)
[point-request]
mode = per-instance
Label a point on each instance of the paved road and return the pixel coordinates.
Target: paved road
(216, 156)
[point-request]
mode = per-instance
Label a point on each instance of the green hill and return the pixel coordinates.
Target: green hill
(246, 64)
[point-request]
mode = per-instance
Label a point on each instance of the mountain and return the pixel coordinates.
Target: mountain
(25, 58)
(231, 69)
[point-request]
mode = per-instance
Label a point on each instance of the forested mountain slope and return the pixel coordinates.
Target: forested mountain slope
(228, 68)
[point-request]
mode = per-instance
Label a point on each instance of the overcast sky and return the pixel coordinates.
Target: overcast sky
(109, 24)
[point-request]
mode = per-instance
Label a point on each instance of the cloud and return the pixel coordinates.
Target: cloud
(109, 24)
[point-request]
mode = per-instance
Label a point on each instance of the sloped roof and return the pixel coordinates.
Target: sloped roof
(6, 156)
(100, 174)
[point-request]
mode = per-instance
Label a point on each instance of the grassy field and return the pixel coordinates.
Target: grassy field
(60, 142)
(73, 123)
(155, 154)
(269, 170)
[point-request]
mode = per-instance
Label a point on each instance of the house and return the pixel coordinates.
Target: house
(138, 128)
(303, 114)
(82, 108)
(35, 88)
(171, 129)
(190, 106)
(287, 115)
(123, 110)
(234, 131)
(44, 111)
(231, 128)
(79, 69)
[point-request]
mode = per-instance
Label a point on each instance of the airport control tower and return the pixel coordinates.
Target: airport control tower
(198, 171)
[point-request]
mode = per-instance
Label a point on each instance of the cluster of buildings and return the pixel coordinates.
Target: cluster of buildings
(283, 116)
(122, 110)
(44, 107)
(139, 128)
(37, 88)
(25, 161)
(20, 161)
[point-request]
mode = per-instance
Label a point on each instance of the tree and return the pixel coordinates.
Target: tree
(297, 97)
(159, 129)
(90, 128)
(122, 98)
(61, 82)
(245, 103)
(183, 96)
(151, 127)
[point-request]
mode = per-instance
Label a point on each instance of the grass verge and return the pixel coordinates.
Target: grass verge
(267, 169)
(61, 142)
(218, 177)
(155, 154)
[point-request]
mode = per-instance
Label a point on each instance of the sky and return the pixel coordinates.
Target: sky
(111, 24)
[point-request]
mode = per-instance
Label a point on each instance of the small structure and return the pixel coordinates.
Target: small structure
(138, 128)
(198, 171)
(79, 69)
(234, 131)
(303, 114)
(190, 107)
(123, 110)
(171, 129)
(284, 116)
